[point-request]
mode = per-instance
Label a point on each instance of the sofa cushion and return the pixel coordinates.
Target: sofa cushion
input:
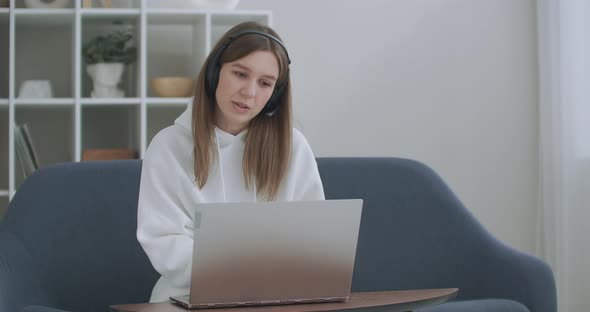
(37, 308)
(482, 305)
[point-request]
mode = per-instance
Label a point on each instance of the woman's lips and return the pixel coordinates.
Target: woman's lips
(241, 106)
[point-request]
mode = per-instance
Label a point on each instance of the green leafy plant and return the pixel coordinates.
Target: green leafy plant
(114, 47)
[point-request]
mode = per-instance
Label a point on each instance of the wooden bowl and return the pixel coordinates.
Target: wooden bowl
(173, 86)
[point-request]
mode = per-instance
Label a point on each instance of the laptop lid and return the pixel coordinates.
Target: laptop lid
(274, 252)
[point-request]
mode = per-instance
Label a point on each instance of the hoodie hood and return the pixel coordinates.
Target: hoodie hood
(230, 150)
(223, 138)
(184, 120)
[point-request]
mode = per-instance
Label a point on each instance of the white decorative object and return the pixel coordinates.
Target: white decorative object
(38, 89)
(47, 4)
(216, 4)
(106, 77)
(196, 4)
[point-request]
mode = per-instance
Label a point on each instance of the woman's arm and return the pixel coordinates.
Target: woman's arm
(164, 224)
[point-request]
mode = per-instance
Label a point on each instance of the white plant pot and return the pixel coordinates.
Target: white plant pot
(106, 77)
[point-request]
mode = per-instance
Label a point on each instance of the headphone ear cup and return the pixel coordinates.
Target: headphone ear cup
(273, 104)
(212, 78)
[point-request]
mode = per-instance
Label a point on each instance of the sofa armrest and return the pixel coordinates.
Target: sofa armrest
(19, 280)
(509, 273)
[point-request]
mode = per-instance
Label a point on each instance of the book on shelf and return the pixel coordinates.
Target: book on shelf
(25, 150)
(108, 154)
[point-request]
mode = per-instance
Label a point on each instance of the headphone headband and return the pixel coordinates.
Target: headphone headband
(246, 31)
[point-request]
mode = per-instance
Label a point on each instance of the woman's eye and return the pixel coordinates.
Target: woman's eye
(239, 74)
(265, 84)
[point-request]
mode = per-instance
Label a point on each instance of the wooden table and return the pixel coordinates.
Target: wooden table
(390, 301)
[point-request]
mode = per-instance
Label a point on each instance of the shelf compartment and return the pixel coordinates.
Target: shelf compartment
(115, 5)
(166, 102)
(160, 117)
(4, 122)
(188, 39)
(52, 133)
(170, 15)
(108, 127)
(20, 4)
(56, 61)
(222, 22)
(35, 17)
(44, 102)
(94, 25)
(4, 54)
(109, 13)
(3, 203)
(110, 101)
(101, 15)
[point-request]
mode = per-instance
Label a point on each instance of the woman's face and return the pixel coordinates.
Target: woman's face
(244, 87)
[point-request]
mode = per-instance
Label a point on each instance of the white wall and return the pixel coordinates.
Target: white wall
(452, 83)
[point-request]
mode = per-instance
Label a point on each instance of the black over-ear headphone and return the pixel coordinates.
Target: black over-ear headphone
(214, 67)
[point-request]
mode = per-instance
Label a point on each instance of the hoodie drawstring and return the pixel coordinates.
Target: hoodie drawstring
(220, 166)
(255, 198)
(255, 194)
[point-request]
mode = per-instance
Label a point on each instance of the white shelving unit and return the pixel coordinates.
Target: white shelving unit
(47, 44)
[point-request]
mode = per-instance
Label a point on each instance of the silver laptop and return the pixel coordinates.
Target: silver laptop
(273, 253)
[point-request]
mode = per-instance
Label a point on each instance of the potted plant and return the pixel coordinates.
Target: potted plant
(105, 57)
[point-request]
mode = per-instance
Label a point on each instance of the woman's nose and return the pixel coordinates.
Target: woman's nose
(249, 89)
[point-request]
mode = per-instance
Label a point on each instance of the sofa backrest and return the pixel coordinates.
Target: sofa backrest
(77, 223)
(414, 231)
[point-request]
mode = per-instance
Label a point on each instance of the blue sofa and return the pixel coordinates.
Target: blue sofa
(67, 241)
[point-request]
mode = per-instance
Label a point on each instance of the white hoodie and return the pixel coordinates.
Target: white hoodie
(168, 195)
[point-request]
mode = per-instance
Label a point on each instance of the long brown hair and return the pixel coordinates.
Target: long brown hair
(268, 140)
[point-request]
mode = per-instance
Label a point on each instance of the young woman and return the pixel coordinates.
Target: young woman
(235, 143)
